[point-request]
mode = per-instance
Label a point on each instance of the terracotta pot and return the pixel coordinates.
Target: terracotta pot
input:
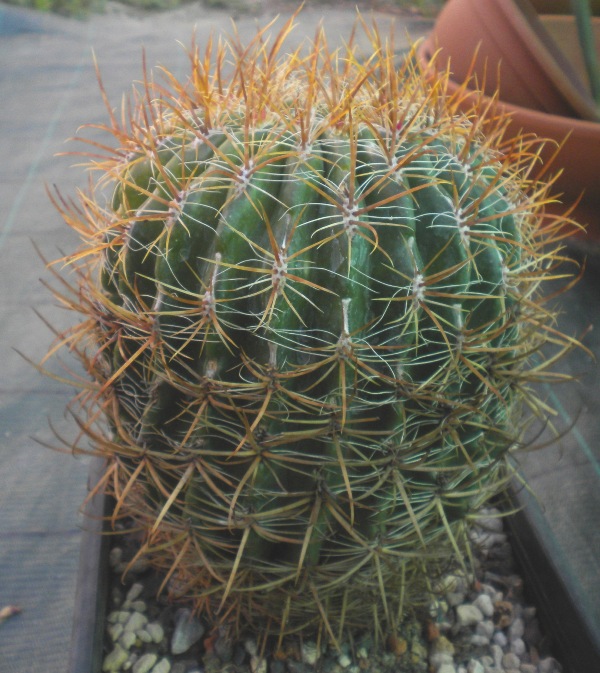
(504, 45)
(561, 6)
(513, 58)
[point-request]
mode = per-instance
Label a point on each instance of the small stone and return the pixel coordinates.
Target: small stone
(510, 660)
(139, 606)
(114, 659)
(115, 556)
(441, 652)
(187, 632)
(144, 636)
(115, 631)
(344, 660)
(549, 665)
(479, 640)
(468, 615)
(145, 663)
(516, 629)
(500, 639)
(485, 604)
(163, 666)
(455, 598)
(475, 666)
(118, 617)
(432, 631)
(485, 628)
(528, 668)
(418, 653)
(518, 647)
(156, 631)
(128, 639)
(129, 664)
(447, 668)
(223, 647)
(397, 645)
(503, 614)
(362, 652)
(497, 654)
(251, 646)
(116, 597)
(258, 664)
(136, 622)
(135, 591)
(310, 652)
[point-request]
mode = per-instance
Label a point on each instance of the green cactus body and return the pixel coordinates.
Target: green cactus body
(314, 306)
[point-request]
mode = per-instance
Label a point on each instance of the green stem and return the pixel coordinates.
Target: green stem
(583, 16)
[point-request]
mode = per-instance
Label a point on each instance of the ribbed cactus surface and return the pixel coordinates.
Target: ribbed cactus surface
(310, 312)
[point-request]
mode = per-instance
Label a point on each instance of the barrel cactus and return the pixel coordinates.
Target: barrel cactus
(311, 307)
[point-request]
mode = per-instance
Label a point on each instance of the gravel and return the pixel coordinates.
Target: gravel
(478, 624)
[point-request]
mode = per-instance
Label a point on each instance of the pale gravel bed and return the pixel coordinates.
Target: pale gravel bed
(481, 623)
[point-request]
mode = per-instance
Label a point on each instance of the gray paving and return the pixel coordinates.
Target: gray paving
(47, 90)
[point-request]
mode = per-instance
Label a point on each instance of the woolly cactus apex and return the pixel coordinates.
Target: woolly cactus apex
(311, 308)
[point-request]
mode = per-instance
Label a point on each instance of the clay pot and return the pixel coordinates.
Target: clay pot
(502, 45)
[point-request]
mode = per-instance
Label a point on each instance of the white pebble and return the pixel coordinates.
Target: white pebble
(115, 631)
(518, 647)
(468, 615)
(114, 659)
(163, 666)
(500, 639)
(258, 664)
(475, 666)
(128, 665)
(115, 556)
(485, 628)
(516, 629)
(491, 519)
(139, 606)
(118, 617)
(510, 660)
(136, 622)
(528, 668)
(446, 668)
(144, 636)
(156, 631)
(549, 665)
(188, 631)
(484, 603)
(310, 653)
(455, 598)
(128, 639)
(344, 660)
(251, 647)
(134, 592)
(497, 654)
(479, 640)
(145, 663)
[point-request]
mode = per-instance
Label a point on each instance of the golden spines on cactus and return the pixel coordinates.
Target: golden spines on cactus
(311, 307)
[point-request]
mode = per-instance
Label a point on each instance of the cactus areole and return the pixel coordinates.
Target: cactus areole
(310, 291)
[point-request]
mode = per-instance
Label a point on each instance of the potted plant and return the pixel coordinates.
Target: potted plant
(535, 69)
(310, 295)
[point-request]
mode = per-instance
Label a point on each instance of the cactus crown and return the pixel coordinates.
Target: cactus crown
(311, 304)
